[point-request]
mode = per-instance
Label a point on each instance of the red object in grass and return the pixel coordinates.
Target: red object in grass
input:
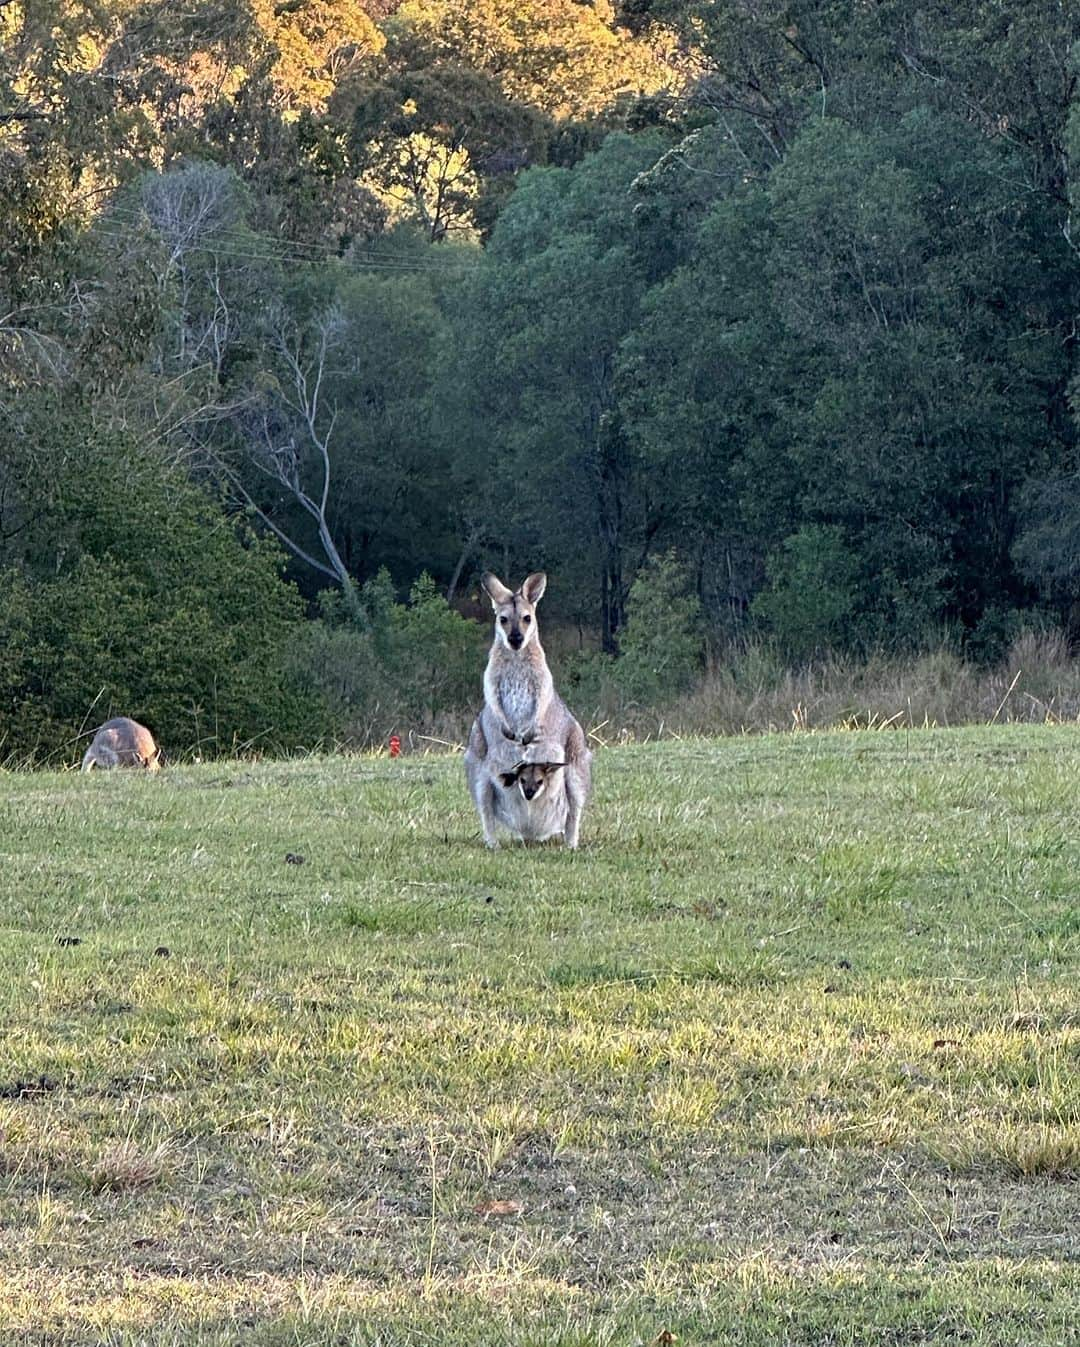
(395, 746)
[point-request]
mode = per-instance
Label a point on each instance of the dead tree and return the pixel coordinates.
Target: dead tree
(288, 437)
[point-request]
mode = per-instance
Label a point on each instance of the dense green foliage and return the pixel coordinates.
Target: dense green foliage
(133, 593)
(386, 665)
(786, 288)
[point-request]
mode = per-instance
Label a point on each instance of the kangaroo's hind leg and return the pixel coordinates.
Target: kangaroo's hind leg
(577, 782)
(481, 786)
(101, 756)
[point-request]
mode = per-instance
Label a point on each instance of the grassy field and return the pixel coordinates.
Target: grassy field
(788, 1052)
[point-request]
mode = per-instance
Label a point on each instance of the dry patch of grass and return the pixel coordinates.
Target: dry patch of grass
(1044, 1154)
(126, 1166)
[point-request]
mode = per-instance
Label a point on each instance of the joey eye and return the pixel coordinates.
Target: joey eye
(526, 618)
(504, 620)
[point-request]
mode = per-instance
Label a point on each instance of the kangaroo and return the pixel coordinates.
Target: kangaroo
(121, 742)
(517, 681)
(533, 804)
(521, 707)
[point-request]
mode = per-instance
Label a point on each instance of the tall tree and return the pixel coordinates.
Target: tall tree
(560, 287)
(851, 345)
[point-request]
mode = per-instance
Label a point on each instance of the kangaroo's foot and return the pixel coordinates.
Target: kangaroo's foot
(573, 824)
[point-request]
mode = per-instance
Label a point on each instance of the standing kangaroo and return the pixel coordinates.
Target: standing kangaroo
(121, 742)
(522, 708)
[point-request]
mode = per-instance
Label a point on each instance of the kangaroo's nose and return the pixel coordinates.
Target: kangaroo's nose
(516, 639)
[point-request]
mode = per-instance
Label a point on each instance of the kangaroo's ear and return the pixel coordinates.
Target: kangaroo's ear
(495, 589)
(533, 587)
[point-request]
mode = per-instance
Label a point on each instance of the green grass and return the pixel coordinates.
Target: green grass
(788, 1052)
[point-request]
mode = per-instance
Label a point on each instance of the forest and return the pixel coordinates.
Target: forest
(752, 322)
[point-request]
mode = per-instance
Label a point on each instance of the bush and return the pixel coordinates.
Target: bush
(438, 655)
(136, 595)
(812, 592)
(999, 629)
(660, 650)
(588, 683)
(400, 668)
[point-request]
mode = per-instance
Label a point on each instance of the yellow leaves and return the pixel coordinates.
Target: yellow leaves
(318, 44)
(425, 180)
(88, 54)
(567, 58)
(10, 18)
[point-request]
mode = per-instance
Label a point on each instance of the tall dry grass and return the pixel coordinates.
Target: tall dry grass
(751, 691)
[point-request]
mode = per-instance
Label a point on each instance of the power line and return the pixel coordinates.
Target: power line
(358, 264)
(243, 239)
(260, 247)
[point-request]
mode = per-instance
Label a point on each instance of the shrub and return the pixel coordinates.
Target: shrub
(400, 667)
(812, 592)
(660, 650)
(137, 595)
(437, 653)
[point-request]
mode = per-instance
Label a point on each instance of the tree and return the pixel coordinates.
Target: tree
(559, 289)
(850, 346)
(662, 645)
(335, 447)
(813, 591)
(288, 432)
(570, 60)
(317, 44)
(432, 136)
(703, 385)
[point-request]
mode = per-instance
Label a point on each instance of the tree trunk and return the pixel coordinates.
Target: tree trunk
(466, 552)
(610, 490)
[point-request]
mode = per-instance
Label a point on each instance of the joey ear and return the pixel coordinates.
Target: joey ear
(548, 767)
(495, 589)
(508, 778)
(533, 587)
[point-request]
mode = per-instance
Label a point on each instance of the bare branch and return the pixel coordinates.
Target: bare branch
(291, 415)
(279, 533)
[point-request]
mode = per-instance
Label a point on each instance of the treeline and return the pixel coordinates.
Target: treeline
(745, 321)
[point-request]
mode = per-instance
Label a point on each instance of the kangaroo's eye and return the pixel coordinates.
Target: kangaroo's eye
(526, 618)
(504, 620)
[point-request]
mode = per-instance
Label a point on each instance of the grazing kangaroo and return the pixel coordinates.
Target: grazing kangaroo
(121, 742)
(521, 707)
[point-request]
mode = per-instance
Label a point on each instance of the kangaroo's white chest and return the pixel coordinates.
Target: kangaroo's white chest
(518, 693)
